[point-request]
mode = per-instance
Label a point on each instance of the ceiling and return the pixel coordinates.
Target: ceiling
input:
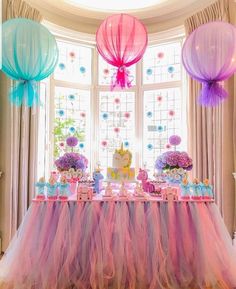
(86, 15)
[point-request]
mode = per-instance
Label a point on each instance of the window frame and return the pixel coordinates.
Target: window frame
(139, 88)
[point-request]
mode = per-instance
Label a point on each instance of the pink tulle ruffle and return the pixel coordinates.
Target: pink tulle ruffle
(120, 245)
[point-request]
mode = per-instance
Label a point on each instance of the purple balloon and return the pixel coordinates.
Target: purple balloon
(209, 56)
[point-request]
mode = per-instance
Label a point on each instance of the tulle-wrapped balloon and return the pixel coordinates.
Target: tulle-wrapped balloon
(30, 54)
(121, 41)
(209, 56)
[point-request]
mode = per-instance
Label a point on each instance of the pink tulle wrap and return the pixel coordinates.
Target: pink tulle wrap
(135, 245)
(121, 41)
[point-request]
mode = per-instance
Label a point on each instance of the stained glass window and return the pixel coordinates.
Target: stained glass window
(116, 124)
(161, 63)
(72, 115)
(74, 64)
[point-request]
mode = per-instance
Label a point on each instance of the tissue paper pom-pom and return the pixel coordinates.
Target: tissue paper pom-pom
(117, 100)
(72, 141)
(159, 98)
(127, 115)
(174, 140)
(104, 143)
(116, 129)
(171, 113)
(160, 55)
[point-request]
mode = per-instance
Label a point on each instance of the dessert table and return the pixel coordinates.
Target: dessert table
(120, 244)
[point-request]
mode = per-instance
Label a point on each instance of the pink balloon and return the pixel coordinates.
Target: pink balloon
(121, 41)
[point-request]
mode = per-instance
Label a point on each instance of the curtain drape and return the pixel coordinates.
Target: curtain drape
(19, 8)
(211, 130)
(22, 131)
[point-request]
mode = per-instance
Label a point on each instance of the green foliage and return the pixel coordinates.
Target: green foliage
(61, 133)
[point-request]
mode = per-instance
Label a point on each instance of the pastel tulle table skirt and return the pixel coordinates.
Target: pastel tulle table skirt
(120, 245)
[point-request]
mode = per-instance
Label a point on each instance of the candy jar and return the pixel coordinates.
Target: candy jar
(64, 189)
(97, 177)
(123, 191)
(207, 190)
(196, 189)
(108, 190)
(185, 189)
(138, 190)
(40, 189)
(52, 188)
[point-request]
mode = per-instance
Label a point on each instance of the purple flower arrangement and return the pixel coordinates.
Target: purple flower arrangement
(174, 160)
(71, 160)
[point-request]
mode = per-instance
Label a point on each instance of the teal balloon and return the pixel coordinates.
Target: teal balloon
(29, 54)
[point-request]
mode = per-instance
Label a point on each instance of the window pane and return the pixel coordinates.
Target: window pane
(162, 118)
(74, 63)
(107, 72)
(72, 116)
(161, 63)
(116, 124)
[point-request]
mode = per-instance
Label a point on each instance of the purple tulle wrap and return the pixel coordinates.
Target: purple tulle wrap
(212, 94)
(209, 56)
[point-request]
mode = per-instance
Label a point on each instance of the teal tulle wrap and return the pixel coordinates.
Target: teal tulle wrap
(30, 54)
(26, 90)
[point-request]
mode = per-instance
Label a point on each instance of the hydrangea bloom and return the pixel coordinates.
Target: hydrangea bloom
(174, 159)
(71, 160)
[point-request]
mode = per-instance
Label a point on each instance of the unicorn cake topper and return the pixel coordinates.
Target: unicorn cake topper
(121, 158)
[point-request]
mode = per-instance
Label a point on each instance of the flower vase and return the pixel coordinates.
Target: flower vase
(174, 176)
(73, 186)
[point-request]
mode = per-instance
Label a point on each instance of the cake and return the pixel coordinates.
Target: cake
(120, 170)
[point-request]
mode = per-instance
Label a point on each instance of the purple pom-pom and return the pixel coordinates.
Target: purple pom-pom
(174, 140)
(72, 141)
